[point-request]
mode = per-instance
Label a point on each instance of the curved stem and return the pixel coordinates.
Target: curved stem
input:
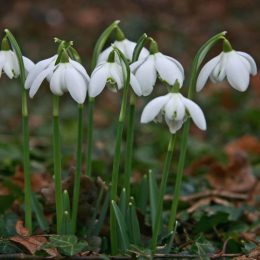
(165, 174)
(57, 163)
(117, 154)
(129, 146)
(26, 163)
(25, 123)
(89, 136)
(200, 55)
(78, 170)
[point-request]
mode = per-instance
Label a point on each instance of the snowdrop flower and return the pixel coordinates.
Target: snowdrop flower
(175, 109)
(68, 75)
(125, 46)
(112, 73)
(9, 62)
(233, 65)
(168, 69)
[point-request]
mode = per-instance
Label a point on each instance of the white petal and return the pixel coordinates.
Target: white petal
(167, 69)
(38, 81)
(126, 47)
(146, 75)
(56, 81)
(28, 64)
(103, 56)
(174, 125)
(153, 108)
(81, 69)
(250, 60)
(8, 67)
(135, 85)
(237, 73)
(177, 63)
(76, 85)
(134, 66)
(98, 79)
(39, 67)
(196, 113)
(205, 72)
(116, 74)
(2, 62)
(174, 109)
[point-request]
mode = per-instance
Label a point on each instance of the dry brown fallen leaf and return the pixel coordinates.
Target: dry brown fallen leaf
(246, 143)
(235, 177)
(31, 243)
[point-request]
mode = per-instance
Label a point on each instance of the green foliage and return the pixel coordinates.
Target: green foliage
(68, 245)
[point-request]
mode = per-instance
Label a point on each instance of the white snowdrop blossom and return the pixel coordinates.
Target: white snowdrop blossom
(126, 47)
(111, 73)
(68, 76)
(168, 69)
(174, 109)
(235, 66)
(10, 66)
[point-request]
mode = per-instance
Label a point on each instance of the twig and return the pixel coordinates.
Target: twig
(220, 193)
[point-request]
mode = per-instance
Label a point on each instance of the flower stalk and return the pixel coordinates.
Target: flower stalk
(129, 145)
(57, 163)
(78, 169)
(202, 52)
(25, 126)
(165, 174)
(117, 153)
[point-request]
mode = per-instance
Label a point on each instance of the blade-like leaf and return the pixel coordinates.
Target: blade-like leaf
(153, 193)
(121, 226)
(38, 210)
(143, 195)
(133, 225)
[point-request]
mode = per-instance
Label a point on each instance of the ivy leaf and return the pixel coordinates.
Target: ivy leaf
(67, 244)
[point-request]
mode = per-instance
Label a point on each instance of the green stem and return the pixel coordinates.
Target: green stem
(89, 136)
(78, 170)
(129, 146)
(117, 154)
(180, 167)
(165, 174)
(57, 163)
(26, 149)
(201, 54)
(26, 163)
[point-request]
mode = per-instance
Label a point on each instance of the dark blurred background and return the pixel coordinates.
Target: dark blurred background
(179, 26)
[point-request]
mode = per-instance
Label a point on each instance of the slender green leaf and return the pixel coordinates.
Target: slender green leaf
(143, 195)
(94, 216)
(123, 203)
(66, 201)
(121, 226)
(153, 192)
(133, 225)
(102, 215)
(38, 211)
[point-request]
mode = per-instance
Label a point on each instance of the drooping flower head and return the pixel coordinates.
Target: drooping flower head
(124, 45)
(156, 65)
(110, 73)
(9, 62)
(174, 108)
(235, 66)
(63, 74)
